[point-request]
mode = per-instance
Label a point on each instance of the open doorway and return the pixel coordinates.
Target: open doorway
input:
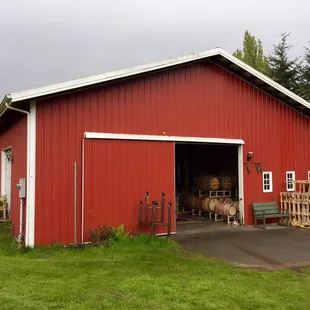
(6, 175)
(207, 183)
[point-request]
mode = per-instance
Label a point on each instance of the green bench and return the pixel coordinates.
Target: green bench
(266, 210)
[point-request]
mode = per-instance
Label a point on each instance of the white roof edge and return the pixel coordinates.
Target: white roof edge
(163, 138)
(265, 78)
(109, 76)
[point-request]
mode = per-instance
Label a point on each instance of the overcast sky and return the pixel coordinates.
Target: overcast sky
(49, 41)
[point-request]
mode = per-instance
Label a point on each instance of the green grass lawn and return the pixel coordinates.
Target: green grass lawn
(139, 274)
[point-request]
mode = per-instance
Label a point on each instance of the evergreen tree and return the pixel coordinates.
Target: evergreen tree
(283, 70)
(305, 76)
(253, 54)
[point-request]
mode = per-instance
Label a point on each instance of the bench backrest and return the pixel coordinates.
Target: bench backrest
(267, 207)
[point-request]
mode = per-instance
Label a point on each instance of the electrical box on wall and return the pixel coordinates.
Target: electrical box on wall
(21, 186)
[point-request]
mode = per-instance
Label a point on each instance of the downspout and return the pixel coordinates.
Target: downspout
(7, 105)
(83, 186)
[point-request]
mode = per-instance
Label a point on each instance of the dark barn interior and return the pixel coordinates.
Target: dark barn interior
(198, 161)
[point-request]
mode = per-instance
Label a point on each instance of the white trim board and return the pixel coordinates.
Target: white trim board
(30, 211)
(241, 182)
(116, 136)
(165, 234)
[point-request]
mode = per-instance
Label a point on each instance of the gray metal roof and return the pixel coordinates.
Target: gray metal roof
(218, 56)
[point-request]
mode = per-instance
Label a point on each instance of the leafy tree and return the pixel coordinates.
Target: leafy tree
(283, 70)
(305, 76)
(252, 54)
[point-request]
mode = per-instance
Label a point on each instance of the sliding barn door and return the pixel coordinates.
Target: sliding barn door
(117, 175)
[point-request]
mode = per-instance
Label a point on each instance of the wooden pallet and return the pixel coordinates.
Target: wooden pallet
(297, 204)
(202, 193)
(196, 212)
(222, 218)
(221, 193)
(218, 218)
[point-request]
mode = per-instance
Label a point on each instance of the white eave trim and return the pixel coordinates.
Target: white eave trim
(109, 76)
(265, 79)
(116, 136)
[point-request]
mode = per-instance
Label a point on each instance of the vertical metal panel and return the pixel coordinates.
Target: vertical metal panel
(58, 147)
(194, 100)
(117, 176)
(15, 136)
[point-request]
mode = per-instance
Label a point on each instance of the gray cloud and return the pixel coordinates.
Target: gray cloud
(50, 41)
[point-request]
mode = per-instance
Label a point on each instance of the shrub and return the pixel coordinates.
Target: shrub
(118, 233)
(106, 235)
(6, 227)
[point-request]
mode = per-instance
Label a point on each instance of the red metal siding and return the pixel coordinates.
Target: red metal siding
(15, 136)
(195, 100)
(124, 171)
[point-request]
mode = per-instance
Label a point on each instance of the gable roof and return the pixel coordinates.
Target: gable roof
(218, 56)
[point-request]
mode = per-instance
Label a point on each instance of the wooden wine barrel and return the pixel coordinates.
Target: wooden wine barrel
(208, 183)
(207, 204)
(213, 183)
(226, 183)
(225, 209)
(228, 200)
(236, 205)
(203, 203)
(201, 183)
(213, 203)
(192, 201)
(225, 200)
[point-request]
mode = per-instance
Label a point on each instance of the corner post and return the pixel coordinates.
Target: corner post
(31, 182)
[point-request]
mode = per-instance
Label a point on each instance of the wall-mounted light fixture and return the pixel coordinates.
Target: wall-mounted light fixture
(249, 156)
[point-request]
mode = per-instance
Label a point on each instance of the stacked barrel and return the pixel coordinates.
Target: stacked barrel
(224, 206)
(227, 209)
(203, 203)
(209, 183)
(219, 204)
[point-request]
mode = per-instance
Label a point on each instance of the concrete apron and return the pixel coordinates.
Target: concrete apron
(274, 249)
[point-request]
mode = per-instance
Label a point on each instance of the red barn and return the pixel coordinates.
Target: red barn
(132, 130)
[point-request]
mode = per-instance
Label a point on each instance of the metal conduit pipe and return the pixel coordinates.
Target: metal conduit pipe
(7, 105)
(83, 186)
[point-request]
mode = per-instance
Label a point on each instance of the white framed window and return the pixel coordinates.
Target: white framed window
(290, 176)
(308, 175)
(267, 182)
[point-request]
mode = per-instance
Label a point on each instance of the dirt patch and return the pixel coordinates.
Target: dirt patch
(299, 268)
